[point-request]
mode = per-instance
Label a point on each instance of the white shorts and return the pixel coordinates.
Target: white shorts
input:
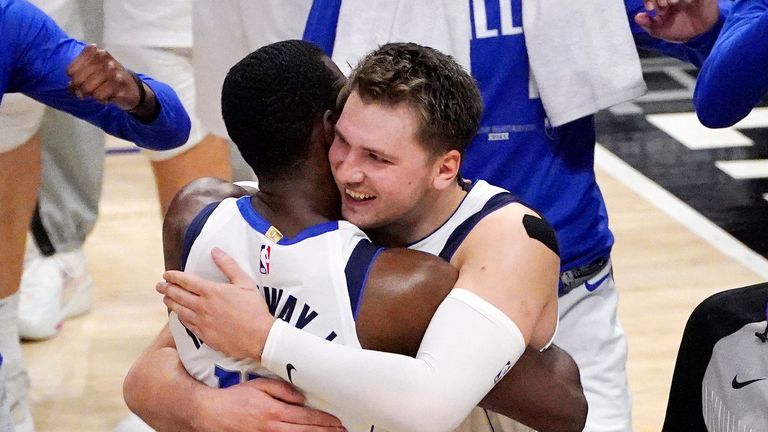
(20, 118)
(172, 66)
(590, 331)
(225, 31)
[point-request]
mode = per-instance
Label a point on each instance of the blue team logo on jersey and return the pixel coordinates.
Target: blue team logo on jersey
(264, 258)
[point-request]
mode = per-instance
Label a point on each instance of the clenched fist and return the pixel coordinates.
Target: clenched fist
(95, 73)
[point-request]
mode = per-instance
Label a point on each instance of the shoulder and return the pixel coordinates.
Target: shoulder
(403, 290)
(515, 222)
(186, 205)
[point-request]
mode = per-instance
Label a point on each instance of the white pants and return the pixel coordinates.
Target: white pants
(591, 333)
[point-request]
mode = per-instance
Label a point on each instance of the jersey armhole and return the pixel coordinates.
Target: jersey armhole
(194, 229)
(358, 267)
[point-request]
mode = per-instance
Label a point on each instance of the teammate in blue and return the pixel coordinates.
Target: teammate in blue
(733, 80)
(268, 105)
(39, 60)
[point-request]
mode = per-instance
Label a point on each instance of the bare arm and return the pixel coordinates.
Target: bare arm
(185, 206)
(160, 391)
(543, 390)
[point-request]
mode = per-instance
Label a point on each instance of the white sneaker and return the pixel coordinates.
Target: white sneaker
(132, 423)
(53, 289)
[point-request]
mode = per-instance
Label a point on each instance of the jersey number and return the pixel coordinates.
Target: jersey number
(228, 378)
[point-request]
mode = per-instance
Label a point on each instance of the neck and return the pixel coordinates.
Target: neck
(432, 212)
(296, 204)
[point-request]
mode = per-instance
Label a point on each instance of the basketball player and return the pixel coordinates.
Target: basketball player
(388, 318)
(733, 79)
(409, 114)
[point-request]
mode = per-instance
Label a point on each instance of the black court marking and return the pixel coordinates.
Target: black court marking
(736, 206)
(539, 229)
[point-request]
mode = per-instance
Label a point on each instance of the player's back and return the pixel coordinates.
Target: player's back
(309, 281)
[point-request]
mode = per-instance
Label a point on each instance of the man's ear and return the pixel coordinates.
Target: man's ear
(447, 168)
(329, 123)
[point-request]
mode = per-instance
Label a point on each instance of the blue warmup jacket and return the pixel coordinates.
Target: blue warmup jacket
(34, 60)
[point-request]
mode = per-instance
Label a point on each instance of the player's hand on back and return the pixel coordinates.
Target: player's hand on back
(678, 20)
(264, 405)
(96, 74)
(230, 318)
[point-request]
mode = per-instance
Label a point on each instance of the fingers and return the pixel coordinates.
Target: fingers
(650, 23)
(301, 415)
(231, 269)
(84, 57)
(179, 295)
(187, 317)
(184, 303)
(294, 412)
(189, 282)
(94, 73)
(278, 389)
(288, 427)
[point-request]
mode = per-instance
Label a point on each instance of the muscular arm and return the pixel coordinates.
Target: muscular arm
(405, 287)
(543, 391)
(147, 393)
(185, 206)
(506, 299)
(160, 391)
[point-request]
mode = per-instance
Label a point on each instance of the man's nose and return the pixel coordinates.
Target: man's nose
(349, 170)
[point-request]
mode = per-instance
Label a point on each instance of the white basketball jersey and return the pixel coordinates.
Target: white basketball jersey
(481, 200)
(312, 281)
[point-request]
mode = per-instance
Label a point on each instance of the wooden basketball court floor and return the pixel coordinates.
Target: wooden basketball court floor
(662, 270)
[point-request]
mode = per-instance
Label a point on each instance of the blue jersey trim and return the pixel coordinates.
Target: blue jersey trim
(462, 231)
(467, 189)
(358, 267)
(257, 222)
(194, 229)
(321, 24)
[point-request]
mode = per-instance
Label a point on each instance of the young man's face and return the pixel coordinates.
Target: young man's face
(381, 169)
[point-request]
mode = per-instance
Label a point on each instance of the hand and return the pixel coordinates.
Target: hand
(230, 318)
(95, 73)
(263, 405)
(678, 20)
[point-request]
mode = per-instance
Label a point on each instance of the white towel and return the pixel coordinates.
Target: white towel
(582, 56)
(581, 53)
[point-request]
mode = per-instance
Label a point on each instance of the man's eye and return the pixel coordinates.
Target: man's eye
(375, 157)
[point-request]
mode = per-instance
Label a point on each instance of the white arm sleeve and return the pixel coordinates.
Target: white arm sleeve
(468, 346)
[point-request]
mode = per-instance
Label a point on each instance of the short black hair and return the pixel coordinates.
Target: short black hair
(270, 100)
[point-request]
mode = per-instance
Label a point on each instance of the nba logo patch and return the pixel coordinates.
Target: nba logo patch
(264, 259)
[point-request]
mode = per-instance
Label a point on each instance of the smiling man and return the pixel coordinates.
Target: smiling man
(410, 111)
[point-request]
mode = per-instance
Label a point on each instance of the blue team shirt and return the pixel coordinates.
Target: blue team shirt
(551, 169)
(34, 59)
(735, 77)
